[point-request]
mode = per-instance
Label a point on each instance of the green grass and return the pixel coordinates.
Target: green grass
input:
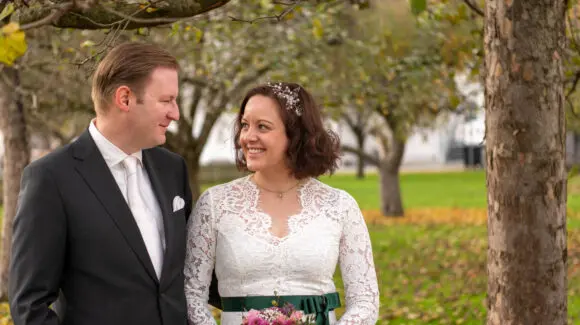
(431, 190)
(436, 274)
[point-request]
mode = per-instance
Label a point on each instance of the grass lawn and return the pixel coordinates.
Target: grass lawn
(435, 273)
(430, 190)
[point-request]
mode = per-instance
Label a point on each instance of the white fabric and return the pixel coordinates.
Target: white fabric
(150, 227)
(114, 158)
(227, 229)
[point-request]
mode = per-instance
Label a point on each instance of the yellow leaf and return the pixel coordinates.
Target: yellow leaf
(87, 43)
(150, 9)
(10, 28)
(317, 29)
(198, 35)
(12, 43)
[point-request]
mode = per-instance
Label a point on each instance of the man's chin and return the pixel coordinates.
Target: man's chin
(152, 144)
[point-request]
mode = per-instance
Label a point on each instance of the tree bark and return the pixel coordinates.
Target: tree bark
(16, 157)
(108, 15)
(390, 189)
(193, 171)
(360, 172)
(525, 150)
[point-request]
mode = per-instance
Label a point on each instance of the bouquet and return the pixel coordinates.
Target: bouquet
(276, 315)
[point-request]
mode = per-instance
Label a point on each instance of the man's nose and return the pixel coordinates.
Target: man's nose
(174, 112)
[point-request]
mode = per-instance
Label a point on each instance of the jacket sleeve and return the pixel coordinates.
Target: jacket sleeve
(38, 249)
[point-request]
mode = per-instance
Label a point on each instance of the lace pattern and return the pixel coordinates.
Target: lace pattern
(228, 232)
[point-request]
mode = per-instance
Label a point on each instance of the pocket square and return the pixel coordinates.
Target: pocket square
(178, 203)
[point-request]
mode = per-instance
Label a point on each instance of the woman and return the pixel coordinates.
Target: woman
(280, 232)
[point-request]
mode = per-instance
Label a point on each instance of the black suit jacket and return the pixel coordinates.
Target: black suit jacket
(75, 235)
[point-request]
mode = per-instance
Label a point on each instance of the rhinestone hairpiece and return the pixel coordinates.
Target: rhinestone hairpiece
(291, 97)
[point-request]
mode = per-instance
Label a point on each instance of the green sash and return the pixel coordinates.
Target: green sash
(319, 305)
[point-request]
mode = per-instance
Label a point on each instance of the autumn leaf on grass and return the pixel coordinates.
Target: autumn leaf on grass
(12, 43)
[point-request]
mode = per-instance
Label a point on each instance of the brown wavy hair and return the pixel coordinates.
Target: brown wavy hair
(312, 150)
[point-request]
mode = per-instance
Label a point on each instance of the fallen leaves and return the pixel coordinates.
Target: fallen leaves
(472, 216)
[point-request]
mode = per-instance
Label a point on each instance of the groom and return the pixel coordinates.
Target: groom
(99, 234)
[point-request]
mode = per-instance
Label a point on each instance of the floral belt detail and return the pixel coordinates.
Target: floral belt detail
(309, 304)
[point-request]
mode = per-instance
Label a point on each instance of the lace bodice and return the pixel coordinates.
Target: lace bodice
(229, 231)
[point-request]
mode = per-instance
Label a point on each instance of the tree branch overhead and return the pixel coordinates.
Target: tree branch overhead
(109, 13)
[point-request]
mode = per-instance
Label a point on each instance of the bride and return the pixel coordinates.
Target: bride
(279, 233)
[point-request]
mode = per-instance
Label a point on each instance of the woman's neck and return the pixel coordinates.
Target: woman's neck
(275, 181)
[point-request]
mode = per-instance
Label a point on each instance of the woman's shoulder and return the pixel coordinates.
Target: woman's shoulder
(224, 189)
(334, 195)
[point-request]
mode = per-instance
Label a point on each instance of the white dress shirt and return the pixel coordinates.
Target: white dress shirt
(114, 158)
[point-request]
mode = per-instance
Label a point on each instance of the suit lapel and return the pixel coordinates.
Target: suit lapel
(155, 176)
(94, 170)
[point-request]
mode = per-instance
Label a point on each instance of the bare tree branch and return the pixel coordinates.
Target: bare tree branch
(100, 15)
(370, 159)
(245, 81)
(474, 8)
(196, 81)
(277, 18)
(55, 15)
(151, 21)
(574, 84)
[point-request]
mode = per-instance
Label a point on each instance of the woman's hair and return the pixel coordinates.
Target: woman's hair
(312, 150)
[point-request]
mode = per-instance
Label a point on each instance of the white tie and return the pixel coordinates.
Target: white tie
(150, 230)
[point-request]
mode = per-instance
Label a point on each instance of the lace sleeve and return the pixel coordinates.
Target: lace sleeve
(199, 261)
(358, 269)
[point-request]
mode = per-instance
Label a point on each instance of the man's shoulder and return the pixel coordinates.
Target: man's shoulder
(57, 157)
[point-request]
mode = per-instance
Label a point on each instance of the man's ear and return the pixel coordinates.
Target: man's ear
(122, 98)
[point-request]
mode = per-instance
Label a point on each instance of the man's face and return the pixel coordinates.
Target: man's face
(155, 109)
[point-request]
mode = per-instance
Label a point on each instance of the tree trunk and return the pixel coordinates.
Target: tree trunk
(360, 173)
(193, 171)
(16, 157)
(391, 202)
(525, 150)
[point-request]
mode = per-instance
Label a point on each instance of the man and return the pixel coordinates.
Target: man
(102, 221)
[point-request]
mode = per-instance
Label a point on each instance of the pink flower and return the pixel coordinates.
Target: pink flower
(296, 315)
(253, 318)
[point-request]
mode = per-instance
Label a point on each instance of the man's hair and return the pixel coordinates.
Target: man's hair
(129, 64)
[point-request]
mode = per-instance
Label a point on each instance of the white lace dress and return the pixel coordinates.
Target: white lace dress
(227, 230)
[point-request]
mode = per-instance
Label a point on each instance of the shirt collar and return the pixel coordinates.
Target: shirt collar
(111, 153)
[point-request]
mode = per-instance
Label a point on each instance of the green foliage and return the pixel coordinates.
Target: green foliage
(418, 6)
(394, 66)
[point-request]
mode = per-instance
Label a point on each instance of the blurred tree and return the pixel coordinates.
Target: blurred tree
(398, 69)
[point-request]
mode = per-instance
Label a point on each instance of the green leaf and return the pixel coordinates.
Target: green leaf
(12, 43)
(418, 6)
(7, 11)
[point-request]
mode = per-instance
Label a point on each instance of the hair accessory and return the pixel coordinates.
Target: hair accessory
(291, 97)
